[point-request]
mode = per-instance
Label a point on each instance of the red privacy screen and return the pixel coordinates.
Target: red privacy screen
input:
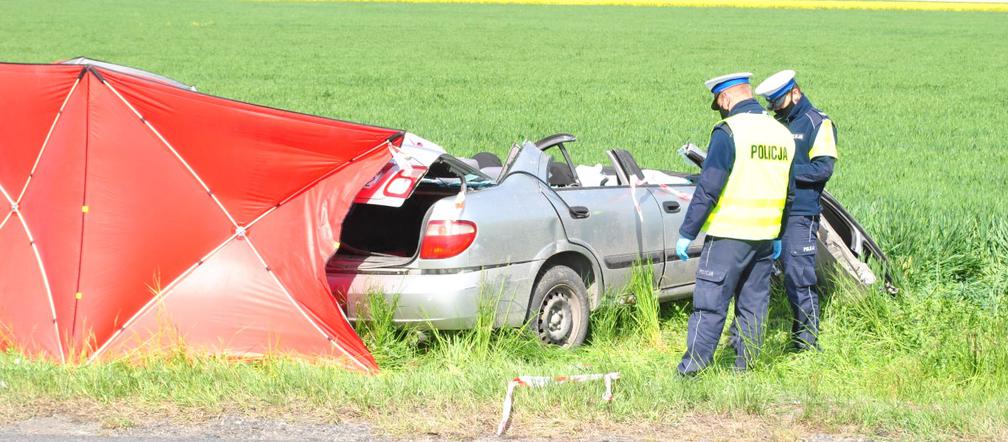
(140, 215)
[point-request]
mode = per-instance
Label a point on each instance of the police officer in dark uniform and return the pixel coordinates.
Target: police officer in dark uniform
(743, 192)
(815, 145)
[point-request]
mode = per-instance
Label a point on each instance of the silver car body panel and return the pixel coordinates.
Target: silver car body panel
(447, 301)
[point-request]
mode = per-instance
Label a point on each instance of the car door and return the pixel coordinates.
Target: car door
(672, 200)
(620, 223)
(606, 219)
(679, 275)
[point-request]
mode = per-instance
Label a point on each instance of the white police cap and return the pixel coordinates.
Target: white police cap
(718, 84)
(776, 85)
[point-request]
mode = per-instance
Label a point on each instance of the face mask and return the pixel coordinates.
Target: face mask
(784, 112)
(724, 113)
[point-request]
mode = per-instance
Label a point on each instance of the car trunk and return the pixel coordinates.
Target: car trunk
(383, 237)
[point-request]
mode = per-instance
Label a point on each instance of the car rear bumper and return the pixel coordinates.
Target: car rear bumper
(447, 301)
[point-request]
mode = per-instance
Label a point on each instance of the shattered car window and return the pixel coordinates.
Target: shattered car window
(446, 175)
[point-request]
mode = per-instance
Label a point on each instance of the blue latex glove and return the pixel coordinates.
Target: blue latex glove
(680, 248)
(776, 249)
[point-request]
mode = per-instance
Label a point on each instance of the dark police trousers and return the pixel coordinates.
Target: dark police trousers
(798, 256)
(729, 268)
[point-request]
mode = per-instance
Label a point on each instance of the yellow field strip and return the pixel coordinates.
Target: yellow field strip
(763, 4)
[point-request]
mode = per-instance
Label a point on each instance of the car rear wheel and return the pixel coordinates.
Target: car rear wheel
(559, 308)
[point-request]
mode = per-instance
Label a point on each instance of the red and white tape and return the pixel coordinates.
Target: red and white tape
(542, 381)
(681, 195)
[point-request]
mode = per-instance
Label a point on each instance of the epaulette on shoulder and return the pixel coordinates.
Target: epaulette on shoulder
(816, 117)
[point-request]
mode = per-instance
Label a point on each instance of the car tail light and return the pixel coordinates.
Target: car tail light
(404, 181)
(400, 185)
(445, 239)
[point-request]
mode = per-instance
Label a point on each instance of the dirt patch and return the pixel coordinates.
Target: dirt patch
(65, 426)
(132, 420)
(244, 427)
(228, 427)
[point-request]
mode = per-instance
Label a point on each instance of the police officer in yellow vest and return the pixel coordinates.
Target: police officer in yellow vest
(745, 189)
(815, 156)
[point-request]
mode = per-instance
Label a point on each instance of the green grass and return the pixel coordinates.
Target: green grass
(918, 98)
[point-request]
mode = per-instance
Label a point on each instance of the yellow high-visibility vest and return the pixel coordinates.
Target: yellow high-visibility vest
(752, 202)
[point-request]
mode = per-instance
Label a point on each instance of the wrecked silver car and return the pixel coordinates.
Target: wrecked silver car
(539, 236)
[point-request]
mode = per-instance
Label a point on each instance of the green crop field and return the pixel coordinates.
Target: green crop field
(919, 100)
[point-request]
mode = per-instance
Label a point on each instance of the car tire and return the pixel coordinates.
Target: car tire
(558, 313)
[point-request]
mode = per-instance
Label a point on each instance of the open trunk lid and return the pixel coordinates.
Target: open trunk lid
(384, 227)
(395, 182)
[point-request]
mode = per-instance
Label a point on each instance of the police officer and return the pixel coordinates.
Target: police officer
(815, 155)
(743, 191)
